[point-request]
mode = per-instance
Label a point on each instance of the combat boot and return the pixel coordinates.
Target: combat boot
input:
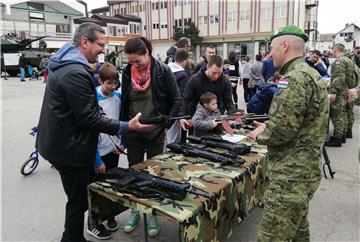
(333, 142)
(349, 134)
(343, 139)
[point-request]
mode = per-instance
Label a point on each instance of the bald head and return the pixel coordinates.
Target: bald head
(285, 48)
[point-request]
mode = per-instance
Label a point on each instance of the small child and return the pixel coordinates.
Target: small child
(109, 147)
(205, 110)
(261, 101)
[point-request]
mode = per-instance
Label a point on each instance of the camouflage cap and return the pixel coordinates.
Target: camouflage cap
(290, 30)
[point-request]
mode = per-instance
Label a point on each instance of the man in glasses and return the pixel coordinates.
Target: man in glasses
(71, 120)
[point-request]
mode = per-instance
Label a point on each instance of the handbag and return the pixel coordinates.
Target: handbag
(251, 84)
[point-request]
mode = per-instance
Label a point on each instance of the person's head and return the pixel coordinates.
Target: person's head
(184, 43)
(276, 77)
(314, 56)
(338, 50)
(181, 57)
(138, 52)
(210, 51)
(214, 67)
(287, 44)
(258, 57)
(209, 101)
(232, 56)
(325, 53)
(89, 38)
(108, 78)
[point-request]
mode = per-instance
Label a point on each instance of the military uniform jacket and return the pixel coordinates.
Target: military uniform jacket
(296, 130)
(341, 76)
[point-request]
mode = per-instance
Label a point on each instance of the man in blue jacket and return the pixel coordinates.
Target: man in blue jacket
(268, 68)
(315, 62)
(71, 120)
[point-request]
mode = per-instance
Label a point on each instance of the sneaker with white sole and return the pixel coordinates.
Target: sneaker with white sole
(99, 232)
(153, 225)
(111, 224)
(132, 222)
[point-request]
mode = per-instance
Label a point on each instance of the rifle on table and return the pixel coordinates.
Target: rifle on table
(189, 150)
(162, 119)
(245, 119)
(218, 142)
(145, 185)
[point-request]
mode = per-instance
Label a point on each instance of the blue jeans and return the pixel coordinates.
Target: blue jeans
(22, 74)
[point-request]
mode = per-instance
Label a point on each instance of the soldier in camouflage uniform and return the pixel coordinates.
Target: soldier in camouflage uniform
(341, 80)
(294, 136)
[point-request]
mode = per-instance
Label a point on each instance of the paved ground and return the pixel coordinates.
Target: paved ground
(33, 206)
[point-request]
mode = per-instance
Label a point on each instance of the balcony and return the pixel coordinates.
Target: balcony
(310, 26)
(311, 3)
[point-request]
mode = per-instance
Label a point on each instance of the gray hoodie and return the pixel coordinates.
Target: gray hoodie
(202, 120)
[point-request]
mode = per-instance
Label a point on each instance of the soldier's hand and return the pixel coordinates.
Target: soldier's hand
(135, 125)
(332, 97)
(352, 93)
(101, 169)
(260, 127)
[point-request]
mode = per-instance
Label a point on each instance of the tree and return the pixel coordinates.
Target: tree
(190, 31)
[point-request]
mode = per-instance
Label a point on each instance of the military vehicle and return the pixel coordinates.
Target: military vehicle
(10, 44)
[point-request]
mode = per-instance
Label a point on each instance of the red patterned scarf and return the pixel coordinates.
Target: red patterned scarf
(140, 83)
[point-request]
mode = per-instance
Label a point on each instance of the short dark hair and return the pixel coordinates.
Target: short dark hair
(232, 56)
(258, 57)
(181, 55)
(316, 52)
(276, 76)
(138, 46)
(182, 42)
(211, 47)
(108, 72)
(87, 30)
(216, 60)
(207, 97)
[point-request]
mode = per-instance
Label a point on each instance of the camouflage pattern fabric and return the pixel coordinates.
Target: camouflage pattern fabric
(235, 191)
(341, 80)
(294, 136)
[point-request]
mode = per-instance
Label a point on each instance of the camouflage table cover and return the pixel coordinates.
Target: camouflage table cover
(235, 191)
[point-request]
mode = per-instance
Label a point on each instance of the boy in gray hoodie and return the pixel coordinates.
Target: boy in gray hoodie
(206, 111)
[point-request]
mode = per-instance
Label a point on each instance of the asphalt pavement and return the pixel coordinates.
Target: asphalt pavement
(33, 207)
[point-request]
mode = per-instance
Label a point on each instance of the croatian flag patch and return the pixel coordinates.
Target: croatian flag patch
(283, 83)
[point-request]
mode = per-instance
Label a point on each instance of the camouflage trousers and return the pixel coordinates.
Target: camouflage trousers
(286, 206)
(338, 117)
(349, 115)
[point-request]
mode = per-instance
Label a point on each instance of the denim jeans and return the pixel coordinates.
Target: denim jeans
(22, 74)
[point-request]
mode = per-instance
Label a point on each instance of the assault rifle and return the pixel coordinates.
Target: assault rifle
(162, 119)
(189, 150)
(143, 184)
(239, 149)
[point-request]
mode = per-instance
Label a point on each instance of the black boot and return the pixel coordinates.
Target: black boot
(349, 134)
(333, 142)
(343, 139)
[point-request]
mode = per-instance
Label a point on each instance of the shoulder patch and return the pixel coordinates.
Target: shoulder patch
(283, 83)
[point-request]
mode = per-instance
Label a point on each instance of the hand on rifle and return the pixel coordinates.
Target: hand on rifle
(260, 127)
(135, 125)
(214, 124)
(101, 169)
(185, 124)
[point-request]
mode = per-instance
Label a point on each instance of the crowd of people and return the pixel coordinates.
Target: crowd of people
(89, 116)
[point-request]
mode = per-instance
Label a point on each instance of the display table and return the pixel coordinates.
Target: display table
(235, 191)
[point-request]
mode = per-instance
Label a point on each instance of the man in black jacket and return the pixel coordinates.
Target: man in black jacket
(209, 79)
(209, 51)
(71, 120)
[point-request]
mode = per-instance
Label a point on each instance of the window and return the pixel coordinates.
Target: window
(36, 16)
(231, 18)
(155, 25)
(266, 13)
(203, 20)
(187, 2)
(161, 5)
(280, 12)
(62, 28)
(144, 27)
(214, 19)
(203, 1)
(164, 26)
(165, 4)
(137, 28)
(180, 23)
(178, 3)
(244, 15)
(176, 23)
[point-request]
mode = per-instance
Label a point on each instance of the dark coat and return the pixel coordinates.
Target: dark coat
(268, 69)
(199, 84)
(71, 119)
(260, 102)
(165, 91)
(318, 67)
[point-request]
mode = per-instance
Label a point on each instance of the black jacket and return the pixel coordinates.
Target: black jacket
(199, 84)
(200, 66)
(170, 54)
(166, 95)
(71, 119)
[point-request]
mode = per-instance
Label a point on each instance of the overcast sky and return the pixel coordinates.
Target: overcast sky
(332, 15)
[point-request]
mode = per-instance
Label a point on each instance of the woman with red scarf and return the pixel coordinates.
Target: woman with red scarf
(149, 87)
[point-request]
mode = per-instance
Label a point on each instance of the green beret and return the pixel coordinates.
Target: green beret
(290, 30)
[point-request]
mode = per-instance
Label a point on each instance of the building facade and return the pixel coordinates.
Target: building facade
(348, 36)
(53, 19)
(240, 25)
